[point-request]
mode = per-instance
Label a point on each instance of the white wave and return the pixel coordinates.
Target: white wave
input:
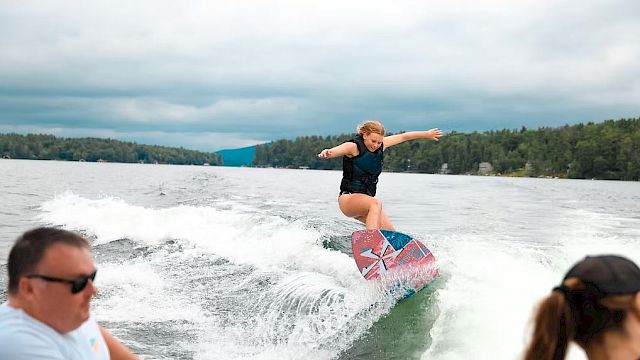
(493, 285)
(242, 237)
(485, 303)
(316, 300)
(138, 293)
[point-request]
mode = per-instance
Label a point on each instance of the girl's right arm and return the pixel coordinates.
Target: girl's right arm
(348, 148)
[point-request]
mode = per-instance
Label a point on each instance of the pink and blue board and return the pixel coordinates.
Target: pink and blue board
(391, 254)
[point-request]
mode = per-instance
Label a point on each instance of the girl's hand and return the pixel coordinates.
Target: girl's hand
(434, 134)
(324, 154)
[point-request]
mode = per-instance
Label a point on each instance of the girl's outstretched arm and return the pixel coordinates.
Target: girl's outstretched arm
(434, 134)
(348, 148)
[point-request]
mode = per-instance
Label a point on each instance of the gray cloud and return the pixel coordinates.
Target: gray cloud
(243, 72)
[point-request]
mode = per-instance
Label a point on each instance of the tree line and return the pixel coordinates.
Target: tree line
(605, 150)
(49, 147)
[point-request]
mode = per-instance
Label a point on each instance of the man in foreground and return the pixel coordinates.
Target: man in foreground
(47, 315)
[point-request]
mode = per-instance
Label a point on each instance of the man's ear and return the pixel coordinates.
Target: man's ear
(636, 305)
(25, 288)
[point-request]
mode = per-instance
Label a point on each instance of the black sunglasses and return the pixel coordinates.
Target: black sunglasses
(77, 285)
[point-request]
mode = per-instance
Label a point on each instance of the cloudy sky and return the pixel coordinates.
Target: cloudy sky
(215, 74)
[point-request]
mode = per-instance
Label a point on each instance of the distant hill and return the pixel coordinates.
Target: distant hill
(238, 157)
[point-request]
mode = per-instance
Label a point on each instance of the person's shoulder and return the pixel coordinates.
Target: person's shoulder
(22, 337)
(16, 335)
(25, 342)
(358, 144)
(9, 318)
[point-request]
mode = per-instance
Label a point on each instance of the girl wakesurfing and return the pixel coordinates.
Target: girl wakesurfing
(361, 166)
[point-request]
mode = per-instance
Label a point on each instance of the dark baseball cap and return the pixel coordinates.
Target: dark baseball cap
(609, 274)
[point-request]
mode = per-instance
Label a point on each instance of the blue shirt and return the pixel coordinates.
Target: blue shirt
(23, 337)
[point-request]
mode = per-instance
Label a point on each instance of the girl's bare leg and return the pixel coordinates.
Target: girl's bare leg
(365, 208)
(385, 223)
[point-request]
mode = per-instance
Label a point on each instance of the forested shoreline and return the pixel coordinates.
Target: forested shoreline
(49, 147)
(606, 150)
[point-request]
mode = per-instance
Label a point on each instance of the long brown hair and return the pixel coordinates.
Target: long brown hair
(574, 312)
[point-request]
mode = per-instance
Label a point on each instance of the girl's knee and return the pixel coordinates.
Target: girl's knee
(376, 203)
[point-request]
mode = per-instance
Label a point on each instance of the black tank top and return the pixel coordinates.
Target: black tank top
(360, 173)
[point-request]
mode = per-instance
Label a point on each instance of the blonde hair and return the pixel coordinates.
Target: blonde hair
(371, 126)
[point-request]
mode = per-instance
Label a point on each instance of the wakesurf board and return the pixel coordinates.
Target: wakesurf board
(394, 257)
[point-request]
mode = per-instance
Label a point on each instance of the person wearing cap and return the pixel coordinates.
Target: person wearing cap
(597, 306)
(51, 283)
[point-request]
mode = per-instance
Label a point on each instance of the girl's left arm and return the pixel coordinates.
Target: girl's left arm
(391, 140)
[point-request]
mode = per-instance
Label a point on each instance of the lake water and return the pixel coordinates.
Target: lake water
(240, 263)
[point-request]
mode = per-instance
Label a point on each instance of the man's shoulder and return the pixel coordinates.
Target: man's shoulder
(22, 338)
(14, 320)
(25, 342)
(18, 333)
